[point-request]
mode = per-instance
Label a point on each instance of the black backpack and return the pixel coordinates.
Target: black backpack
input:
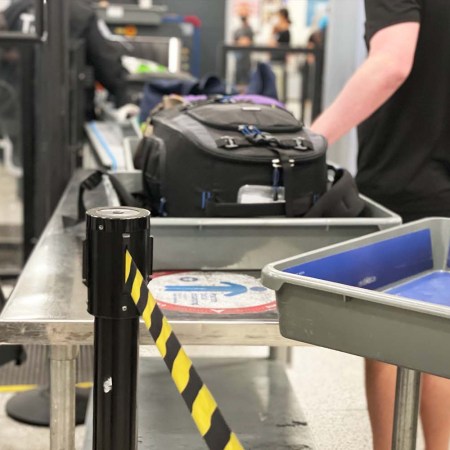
(200, 156)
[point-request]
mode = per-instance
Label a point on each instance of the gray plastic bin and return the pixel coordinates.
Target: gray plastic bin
(332, 297)
(249, 244)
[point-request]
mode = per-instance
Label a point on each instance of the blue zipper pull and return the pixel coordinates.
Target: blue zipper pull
(206, 195)
(244, 129)
(256, 131)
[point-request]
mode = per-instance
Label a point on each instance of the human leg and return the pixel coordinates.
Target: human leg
(380, 391)
(434, 408)
(435, 412)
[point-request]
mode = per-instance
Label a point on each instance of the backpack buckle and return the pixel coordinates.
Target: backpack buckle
(229, 142)
(276, 163)
(299, 144)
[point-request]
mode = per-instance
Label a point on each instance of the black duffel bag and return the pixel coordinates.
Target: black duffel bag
(199, 157)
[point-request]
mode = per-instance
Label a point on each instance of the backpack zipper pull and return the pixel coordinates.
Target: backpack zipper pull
(206, 196)
(275, 178)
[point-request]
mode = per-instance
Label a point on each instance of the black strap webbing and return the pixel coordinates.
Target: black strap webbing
(90, 183)
(231, 143)
(288, 182)
(295, 206)
(126, 199)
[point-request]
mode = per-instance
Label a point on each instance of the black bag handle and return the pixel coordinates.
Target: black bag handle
(125, 197)
(90, 183)
(342, 198)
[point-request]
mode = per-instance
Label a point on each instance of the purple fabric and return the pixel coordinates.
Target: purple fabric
(194, 98)
(258, 99)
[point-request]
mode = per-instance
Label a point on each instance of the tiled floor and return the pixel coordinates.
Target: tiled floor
(15, 436)
(329, 388)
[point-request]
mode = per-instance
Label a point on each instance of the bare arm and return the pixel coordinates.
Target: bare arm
(388, 65)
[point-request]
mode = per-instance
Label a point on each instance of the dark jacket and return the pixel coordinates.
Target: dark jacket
(102, 55)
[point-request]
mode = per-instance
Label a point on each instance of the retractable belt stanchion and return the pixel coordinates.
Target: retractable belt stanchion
(109, 232)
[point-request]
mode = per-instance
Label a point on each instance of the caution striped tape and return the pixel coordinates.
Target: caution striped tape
(202, 406)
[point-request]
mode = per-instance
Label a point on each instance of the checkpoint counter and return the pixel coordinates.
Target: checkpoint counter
(48, 305)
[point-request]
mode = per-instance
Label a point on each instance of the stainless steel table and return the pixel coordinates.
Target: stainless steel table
(48, 306)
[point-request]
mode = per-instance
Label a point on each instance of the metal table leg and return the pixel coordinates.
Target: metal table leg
(62, 389)
(407, 398)
(281, 354)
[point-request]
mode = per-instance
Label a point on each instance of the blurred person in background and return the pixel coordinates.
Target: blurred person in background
(101, 54)
(312, 65)
(243, 37)
(281, 34)
(281, 37)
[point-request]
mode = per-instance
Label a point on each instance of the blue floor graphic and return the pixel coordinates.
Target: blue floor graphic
(431, 288)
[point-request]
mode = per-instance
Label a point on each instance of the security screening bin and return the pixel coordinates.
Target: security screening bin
(347, 297)
(331, 297)
(249, 244)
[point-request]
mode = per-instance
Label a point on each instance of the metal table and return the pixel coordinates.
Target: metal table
(48, 305)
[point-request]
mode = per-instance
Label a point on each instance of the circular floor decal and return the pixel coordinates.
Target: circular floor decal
(211, 293)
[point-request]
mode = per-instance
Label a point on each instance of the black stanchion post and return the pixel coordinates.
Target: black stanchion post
(109, 231)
